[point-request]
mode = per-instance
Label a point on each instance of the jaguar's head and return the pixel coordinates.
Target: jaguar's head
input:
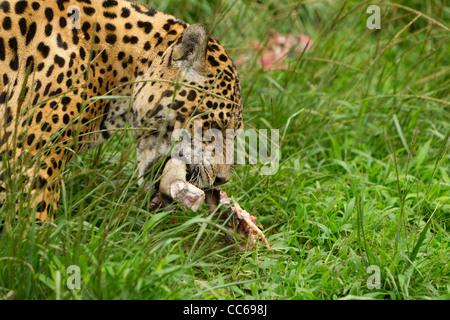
(192, 89)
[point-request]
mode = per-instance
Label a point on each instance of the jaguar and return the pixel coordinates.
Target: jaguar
(74, 72)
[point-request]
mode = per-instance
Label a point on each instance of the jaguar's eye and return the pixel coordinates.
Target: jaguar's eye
(215, 125)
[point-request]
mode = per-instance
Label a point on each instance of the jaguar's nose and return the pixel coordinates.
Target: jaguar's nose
(220, 180)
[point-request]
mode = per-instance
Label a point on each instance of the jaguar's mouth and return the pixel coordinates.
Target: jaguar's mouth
(199, 176)
(195, 177)
(175, 184)
(178, 182)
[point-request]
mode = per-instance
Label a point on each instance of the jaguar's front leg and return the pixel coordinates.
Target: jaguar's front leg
(43, 183)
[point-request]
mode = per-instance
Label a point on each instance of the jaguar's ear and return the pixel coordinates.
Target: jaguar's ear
(190, 50)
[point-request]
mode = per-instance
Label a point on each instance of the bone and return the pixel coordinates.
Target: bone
(174, 169)
(250, 226)
(242, 222)
(173, 184)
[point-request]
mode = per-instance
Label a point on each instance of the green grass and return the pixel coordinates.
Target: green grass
(363, 177)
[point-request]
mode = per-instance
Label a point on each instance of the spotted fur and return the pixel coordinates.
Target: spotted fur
(50, 73)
